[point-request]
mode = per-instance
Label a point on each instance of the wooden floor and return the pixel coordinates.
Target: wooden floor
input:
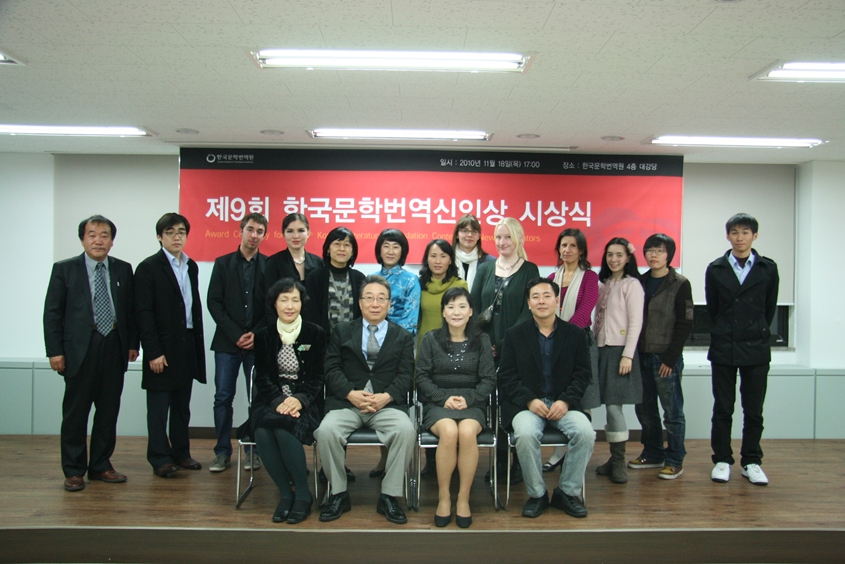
(799, 517)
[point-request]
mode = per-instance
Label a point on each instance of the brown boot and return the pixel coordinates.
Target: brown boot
(606, 468)
(618, 472)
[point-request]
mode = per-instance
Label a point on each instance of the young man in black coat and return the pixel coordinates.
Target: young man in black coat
(169, 315)
(236, 301)
(741, 289)
(90, 336)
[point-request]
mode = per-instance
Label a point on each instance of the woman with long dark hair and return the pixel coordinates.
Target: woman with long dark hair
(293, 262)
(455, 376)
(619, 319)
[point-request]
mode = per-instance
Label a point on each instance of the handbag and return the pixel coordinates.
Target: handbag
(485, 319)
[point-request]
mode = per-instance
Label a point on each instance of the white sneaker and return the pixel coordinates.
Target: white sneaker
(722, 472)
(253, 464)
(755, 475)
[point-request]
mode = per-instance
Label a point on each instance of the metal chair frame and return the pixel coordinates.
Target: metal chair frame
(426, 439)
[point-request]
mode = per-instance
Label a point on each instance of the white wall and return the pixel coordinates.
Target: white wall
(26, 209)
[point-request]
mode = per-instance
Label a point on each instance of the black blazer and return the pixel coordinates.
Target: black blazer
(317, 286)
(281, 266)
(310, 349)
(225, 301)
(160, 312)
(741, 314)
(521, 368)
(69, 313)
(347, 369)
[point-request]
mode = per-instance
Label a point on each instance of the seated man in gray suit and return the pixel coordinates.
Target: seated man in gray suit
(369, 367)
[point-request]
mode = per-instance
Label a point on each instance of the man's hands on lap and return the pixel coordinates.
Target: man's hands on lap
(553, 413)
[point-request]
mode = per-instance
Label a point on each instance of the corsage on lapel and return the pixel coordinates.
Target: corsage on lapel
(302, 348)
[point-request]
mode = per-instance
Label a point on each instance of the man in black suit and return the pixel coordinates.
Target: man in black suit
(741, 289)
(236, 302)
(544, 370)
(369, 367)
(169, 314)
(90, 336)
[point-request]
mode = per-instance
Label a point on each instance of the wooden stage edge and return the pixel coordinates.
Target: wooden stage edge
(191, 517)
(93, 544)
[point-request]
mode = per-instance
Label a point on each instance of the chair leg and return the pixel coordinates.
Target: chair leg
(242, 496)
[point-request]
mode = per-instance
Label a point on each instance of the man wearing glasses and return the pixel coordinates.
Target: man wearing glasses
(369, 366)
(169, 315)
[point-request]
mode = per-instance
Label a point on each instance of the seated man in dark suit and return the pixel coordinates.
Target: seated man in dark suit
(544, 371)
(90, 334)
(368, 375)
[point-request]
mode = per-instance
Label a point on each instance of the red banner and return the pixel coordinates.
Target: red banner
(425, 205)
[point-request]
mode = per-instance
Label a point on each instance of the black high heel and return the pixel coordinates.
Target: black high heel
(282, 510)
(463, 522)
(442, 521)
(548, 466)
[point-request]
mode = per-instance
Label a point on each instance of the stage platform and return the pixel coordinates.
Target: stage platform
(191, 517)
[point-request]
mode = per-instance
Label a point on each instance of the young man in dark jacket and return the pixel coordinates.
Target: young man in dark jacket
(667, 323)
(741, 288)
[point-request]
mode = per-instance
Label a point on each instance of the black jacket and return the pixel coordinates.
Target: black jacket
(160, 312)
(317, 287)
(280, 266)
(69, 313)
(225, 301)
(347, 369)
(521, 367)
(741, 314)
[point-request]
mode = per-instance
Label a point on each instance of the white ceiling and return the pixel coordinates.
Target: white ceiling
(632, 68)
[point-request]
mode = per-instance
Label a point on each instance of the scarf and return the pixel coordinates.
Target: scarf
(289, 332)
(471, 259)
(567, 306)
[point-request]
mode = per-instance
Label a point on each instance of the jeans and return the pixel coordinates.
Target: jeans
(752, 390)
(528, 430)
(671, 396)
(226, 367)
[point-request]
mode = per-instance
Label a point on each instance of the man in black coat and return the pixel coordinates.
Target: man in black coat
(369, 370)
(90, 336)
(741, 289)
(169, 314)
(543, 373)
(236, 302)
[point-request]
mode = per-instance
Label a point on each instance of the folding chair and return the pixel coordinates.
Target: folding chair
(425, 439)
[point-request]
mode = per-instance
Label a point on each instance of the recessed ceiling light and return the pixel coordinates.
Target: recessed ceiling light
(612, 138)
(187, 131)
(754, 142)
(405, 134)
(72, 130)
(272, 132)
(528, 136)
(6, 59)
(453, 61)
(805, 72)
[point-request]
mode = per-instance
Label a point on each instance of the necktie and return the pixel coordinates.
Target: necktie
(103, 318)
(372, 353)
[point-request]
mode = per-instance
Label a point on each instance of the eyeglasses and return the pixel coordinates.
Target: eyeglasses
(174, 233)
(468, 232)
(656, 251)
(380, 300)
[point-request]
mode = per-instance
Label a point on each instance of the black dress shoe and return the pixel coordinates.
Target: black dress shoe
(373, 474)
(282, 510)
(300, 511)
(166, 470)
(568, 504)
(189, 464)
(350, 477)
(548, 466)
(337, 505)
(535, 506)
(463, 522)
(442, 521)
(389, 507)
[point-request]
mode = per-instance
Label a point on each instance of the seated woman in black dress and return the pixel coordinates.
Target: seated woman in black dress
(288, 390)
(455, 375)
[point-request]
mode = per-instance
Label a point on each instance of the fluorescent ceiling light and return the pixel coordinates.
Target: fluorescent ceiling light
(415, 134)
(806, 72)
(7, 60)
(456, 61)
(759, 142)
(71, 130)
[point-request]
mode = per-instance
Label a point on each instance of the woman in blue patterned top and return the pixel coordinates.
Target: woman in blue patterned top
(391, 252)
